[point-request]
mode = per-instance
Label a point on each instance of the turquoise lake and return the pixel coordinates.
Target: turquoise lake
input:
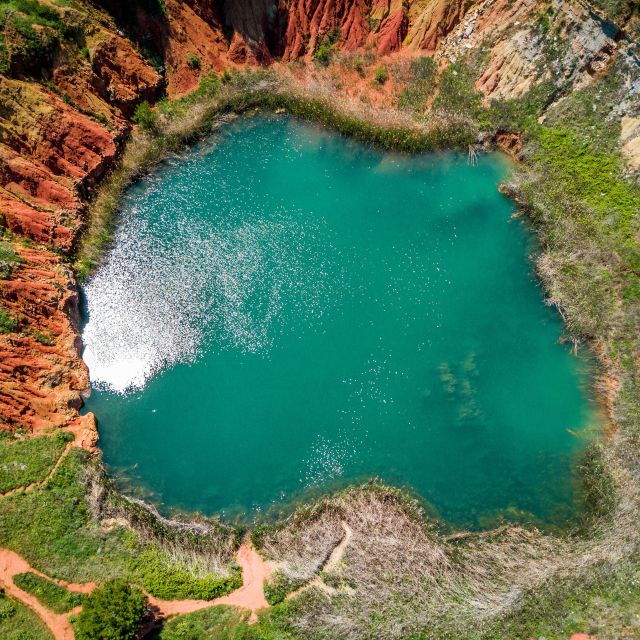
(285, 311)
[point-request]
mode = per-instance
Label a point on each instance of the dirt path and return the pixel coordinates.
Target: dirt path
(35, 485)
(249, 596)
(83, 438)
(10, 565)
(332, 562)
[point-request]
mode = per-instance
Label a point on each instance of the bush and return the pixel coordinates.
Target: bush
(8, 260)
(326, 46)
(381, 75)
(146, 117)
(51, 595)
(7, 608)
(114, 611)
(279, 587)
(8, 323)
(193, 62)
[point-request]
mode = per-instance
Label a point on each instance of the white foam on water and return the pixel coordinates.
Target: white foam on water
(155, 302)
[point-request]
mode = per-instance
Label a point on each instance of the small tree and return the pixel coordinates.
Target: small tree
(381, 75)
(193, 62)
(114, 611)
(145, 116)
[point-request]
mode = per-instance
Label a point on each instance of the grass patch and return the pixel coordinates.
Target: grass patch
(604, 604)
(24, 462)
(50, 527)
(152, 572)
(220, 623)
(420, 86)
(51, 595)
(53, 529)
(8, 260)
(18, 622)
(584, 174)
(279, 587)
(8, 322)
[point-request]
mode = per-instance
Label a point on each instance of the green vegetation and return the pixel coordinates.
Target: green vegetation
(590, 177)
(279, 586)
(17, 622)
(380, 75)
(151, 570)
(456, 93)
(8, 322)
(24, 462)
(52, 527)
(8, 260)
(420, 86)
(145, 116)
(605, 605)
(114, 611)
(219, 623)
(193, 62)
(42, 337)
(51, 595)
(326, 46)
(30, 32)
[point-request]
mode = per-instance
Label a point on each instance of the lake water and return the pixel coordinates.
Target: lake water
(285, 310)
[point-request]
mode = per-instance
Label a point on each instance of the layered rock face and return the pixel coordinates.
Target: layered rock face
(41, 372)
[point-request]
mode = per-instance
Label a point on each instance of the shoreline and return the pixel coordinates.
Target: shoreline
(510, 146)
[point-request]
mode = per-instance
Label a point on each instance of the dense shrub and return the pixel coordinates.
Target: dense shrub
(193, 62)
(8, 323)
(8, 260)
(7, 608)
(114, 611)
(381, 75)
(146, 117)
(279, 586)
(326, 46)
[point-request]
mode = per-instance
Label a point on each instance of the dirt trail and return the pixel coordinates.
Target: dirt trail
(249, 596)
(82, 438)
(35, 485)
(10, 565)
(332, 562)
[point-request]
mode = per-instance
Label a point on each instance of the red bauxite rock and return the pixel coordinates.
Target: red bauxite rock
(307, 20)
(48, 152)
(40, 384)
(393, 31)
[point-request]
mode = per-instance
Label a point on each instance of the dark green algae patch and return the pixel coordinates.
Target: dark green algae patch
(285, 311)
